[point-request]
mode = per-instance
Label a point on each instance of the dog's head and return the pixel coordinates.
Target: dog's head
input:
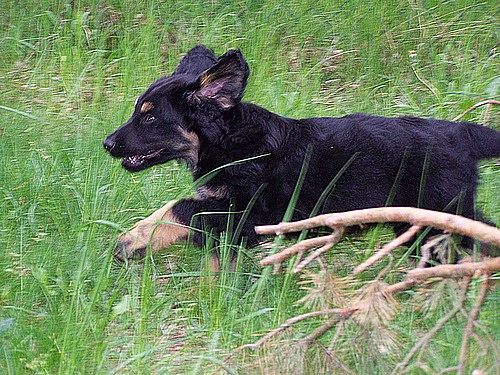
(162, 127)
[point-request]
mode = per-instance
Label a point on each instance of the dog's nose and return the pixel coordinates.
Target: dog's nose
(109, 144)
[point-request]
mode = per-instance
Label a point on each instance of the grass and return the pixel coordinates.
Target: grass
(70, 73)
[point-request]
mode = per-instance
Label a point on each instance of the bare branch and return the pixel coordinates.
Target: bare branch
(334, 238)
(469, 329)
(420, 275)
(425, 340)
(418, 217)
(300, 247)
(320, 331)
(489, 103)
(401, 286)
(341, 315)
(394, 244)
(415, 216)
(455, 270)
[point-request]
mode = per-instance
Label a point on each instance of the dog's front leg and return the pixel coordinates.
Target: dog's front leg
(159, 230)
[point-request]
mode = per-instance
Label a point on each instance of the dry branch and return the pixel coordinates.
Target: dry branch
(469, 329)
(320, 331)
(455, 270)
(394, 244)
(339, 221)
(333, 239)
(418, 218)
(424, 341)
(445, 271)
(413, 278)
(300, 248)
(415, 216)
(340, 314)
(489, 103)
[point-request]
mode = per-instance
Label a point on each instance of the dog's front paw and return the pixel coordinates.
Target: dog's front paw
(157, 231)
(130, 247)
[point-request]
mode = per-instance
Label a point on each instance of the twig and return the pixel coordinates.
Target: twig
(333, 239)
(420, 275)
(386, 249)
(469, 329)
(401, 286)
(426, 249)
(320, 331)
(338, 221)
(418, 218)
(297, 248)
(440, 323)
(455, 270)
(477, 105)
(341, 313)
(415, 216)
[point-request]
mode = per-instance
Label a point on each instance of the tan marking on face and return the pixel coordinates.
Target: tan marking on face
(194, 142)
(158, 230)
(146, 107)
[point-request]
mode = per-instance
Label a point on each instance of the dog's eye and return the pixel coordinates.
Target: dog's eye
(149, 118)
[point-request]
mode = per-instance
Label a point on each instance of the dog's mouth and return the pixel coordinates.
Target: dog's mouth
(140, 162)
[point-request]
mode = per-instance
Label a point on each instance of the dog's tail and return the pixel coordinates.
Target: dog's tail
(484, 142)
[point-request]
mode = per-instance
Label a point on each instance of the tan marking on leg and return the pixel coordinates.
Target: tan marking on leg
(214, 263)
(146, 107)
(151, 232)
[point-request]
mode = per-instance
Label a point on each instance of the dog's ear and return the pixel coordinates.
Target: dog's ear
(196, 61)
(224, 82)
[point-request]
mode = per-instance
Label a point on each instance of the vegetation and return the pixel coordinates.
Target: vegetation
(70, 73)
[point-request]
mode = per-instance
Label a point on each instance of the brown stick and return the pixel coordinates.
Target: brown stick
(333, 240)
(320, 331)
(420, 275)
(488, 266)
(469, 329)
(401, 286)
(341, 313)
(477, 105)
(425, 340)
(415, 216)
(386, 249)
(297, 248)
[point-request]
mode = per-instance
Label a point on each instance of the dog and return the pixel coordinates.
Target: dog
(254, 158)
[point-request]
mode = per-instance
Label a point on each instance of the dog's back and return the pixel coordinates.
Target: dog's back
(403, 161)
(374, 161)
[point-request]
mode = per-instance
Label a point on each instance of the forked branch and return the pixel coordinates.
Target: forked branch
(417, 217)
(339, 314)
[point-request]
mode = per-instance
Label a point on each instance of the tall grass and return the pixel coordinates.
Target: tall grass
(70, 73)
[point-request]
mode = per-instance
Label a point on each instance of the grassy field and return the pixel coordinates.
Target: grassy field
(70, 73)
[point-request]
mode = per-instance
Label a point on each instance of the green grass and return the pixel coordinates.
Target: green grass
(70, 73)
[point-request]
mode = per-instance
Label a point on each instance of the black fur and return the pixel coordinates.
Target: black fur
(197, 115)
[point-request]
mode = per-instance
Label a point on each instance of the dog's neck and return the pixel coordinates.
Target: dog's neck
(226, 136)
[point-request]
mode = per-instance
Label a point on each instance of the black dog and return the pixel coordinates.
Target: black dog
(354, 162)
